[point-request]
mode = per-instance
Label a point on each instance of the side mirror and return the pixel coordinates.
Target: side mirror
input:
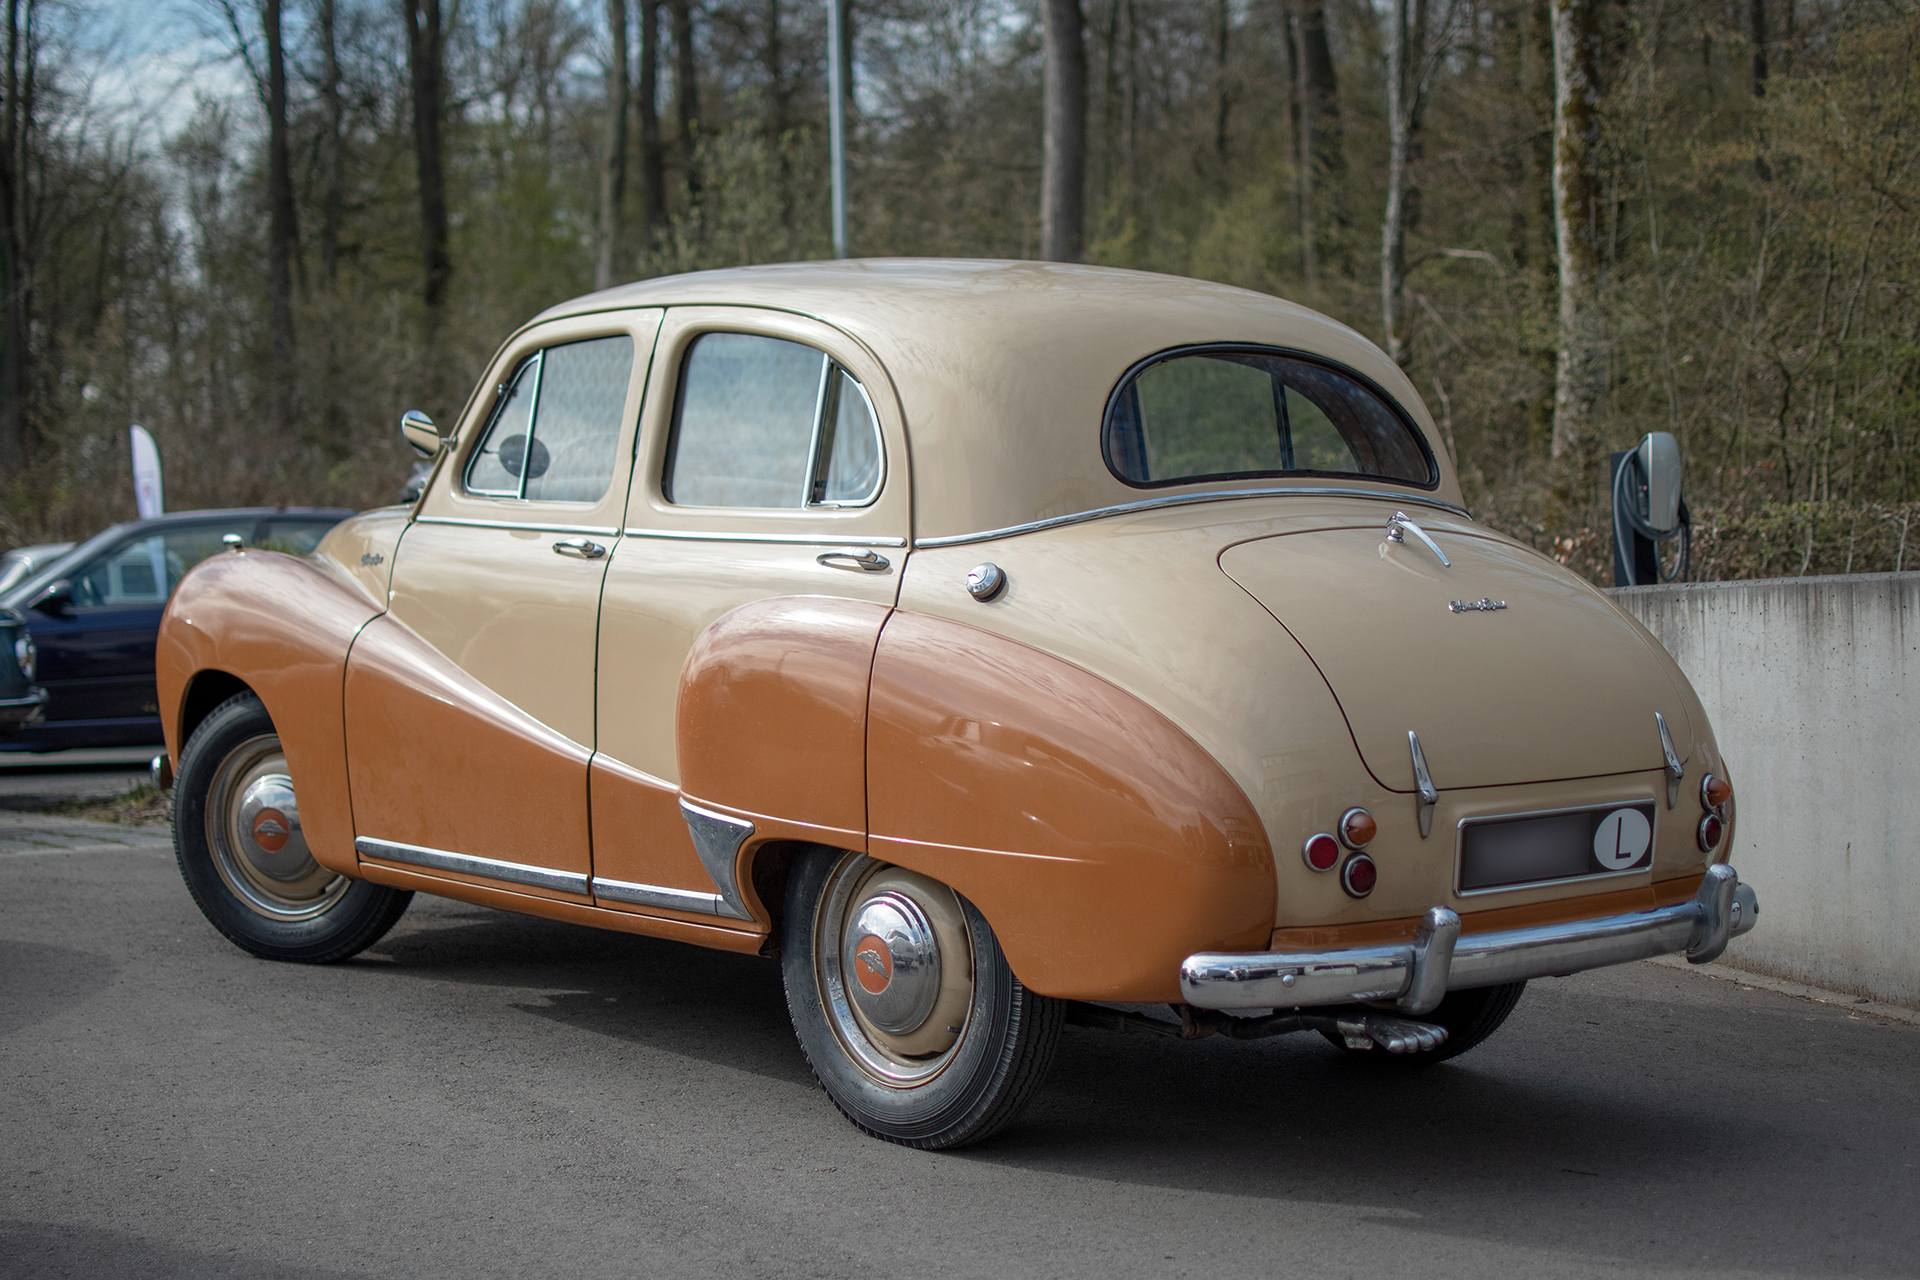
(1660, 463)
(56, 601)
(420, 432)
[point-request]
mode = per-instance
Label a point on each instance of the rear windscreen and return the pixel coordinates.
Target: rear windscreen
(1232, 413)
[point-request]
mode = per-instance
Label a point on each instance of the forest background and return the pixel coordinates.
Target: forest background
(269, 283)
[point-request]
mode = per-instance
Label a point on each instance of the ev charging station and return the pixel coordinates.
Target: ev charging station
(1648, 512)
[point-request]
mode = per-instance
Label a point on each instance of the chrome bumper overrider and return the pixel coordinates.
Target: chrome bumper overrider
(1416, 975)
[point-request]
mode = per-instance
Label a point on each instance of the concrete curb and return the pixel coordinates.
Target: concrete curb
(1852, 1004)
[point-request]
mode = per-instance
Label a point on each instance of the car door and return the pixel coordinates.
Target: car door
(96, 661)
(772, 467)
(470, 712)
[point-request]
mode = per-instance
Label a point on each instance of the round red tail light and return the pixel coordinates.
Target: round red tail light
(1321, 852)
(1359, 875)
(1714, 791)
(1357, 828)
(1711, 829)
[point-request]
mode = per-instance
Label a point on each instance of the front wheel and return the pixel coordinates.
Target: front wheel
(244, 856)
(904, 1005)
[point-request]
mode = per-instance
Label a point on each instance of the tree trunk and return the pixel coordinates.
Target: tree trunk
(686, 90)
(426, 62)
(1223, 100)
(1301, 109)
(653, 183)
(1393, 232)
(1757, 18)
(1064, 165)
(281, 228)
(1578, 374)
(613, 168)
(1329, 143)
(333, 208)
(16, 126)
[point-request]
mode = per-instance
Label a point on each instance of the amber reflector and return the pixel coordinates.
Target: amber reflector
(1359, 875)
(1715, 791)
(1321, 852)
(1357, 828)
(1711, 829)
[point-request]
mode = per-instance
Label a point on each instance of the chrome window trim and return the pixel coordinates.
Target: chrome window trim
(605, 531)
(1460, 846)
(654, 895)
(469, 864)
(790, 539)
(1187, 499)
(539, 362)
(868, 498)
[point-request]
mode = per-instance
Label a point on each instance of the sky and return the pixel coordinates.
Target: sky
(152, 60)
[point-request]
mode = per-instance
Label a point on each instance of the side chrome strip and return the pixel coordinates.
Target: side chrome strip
(717, 838)
(1183, 500)
(653, 895)
(792, 539)
(605, 531)
(467, 864)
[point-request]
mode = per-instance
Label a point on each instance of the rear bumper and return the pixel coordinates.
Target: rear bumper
(1416, 975)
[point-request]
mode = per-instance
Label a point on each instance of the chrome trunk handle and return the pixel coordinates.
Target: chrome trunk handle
(579, 548)
(1399, 524)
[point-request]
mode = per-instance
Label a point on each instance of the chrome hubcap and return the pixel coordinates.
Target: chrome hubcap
(895, 967)
(895, 962)
(259, 847)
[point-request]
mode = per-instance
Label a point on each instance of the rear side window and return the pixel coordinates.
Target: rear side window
(556, 426)
(1232, 413)
(764, 422)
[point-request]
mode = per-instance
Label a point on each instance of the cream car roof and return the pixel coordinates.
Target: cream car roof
(1003, 368)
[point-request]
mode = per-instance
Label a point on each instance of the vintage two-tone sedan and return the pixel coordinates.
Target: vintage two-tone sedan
(996, 643)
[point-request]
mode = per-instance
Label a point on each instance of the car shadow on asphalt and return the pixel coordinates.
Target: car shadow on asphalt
(64, 1249)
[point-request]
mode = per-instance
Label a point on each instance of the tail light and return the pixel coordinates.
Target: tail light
(1714, 791)
(1359, 876)
(1357, 828)
(1711, 829)
(1321, 852)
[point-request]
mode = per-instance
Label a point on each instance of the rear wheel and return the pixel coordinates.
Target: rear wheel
(905, 1006)
(1469, 1017)
(242, 851)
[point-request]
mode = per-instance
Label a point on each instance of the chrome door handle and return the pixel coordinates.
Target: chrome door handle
(853, 558)
(579, 548)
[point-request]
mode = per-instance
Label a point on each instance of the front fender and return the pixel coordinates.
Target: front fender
(282, 627)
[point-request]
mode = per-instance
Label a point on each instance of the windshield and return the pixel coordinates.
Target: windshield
(1230, 413)
(22, 594)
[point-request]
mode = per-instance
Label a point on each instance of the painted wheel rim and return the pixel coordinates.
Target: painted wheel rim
(894, 962)
(254, 831)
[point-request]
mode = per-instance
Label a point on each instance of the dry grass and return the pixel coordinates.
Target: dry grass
(144, 806)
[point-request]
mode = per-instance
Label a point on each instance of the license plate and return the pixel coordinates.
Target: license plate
(1540, 848)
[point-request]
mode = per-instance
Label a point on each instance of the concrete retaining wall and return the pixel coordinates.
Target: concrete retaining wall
(1813, 687)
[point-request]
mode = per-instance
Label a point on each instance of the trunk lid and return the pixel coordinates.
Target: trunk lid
(1557, 684)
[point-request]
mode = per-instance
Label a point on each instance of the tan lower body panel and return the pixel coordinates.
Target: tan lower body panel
(565, 909)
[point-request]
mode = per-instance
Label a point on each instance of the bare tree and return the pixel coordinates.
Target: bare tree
(1578, 373)
(333, 202)
(426, 67)
(653, 183)
(16, 274)
(1064, 165)
(281, 225)
(686, 91)
(613, 167)
(1393, 233)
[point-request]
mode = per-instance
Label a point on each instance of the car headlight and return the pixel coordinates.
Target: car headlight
(25, 654)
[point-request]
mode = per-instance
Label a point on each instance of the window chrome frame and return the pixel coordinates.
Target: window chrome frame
(825, 401)
(539, 362)
(1393, 407)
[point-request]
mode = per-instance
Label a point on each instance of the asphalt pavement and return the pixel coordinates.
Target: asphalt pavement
(484, 1094)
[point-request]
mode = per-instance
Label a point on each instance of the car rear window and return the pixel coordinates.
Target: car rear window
(1231, 413)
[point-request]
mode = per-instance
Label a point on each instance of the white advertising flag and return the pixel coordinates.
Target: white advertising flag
(146, 473)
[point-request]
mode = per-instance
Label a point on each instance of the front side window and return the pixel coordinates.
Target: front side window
(555, 431)
(764, 422)
(1230, 414)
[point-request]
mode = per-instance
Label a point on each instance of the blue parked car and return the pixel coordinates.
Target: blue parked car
(90, 618)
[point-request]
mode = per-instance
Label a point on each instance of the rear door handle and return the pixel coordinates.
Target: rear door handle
(854, 558)
(579, 548)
